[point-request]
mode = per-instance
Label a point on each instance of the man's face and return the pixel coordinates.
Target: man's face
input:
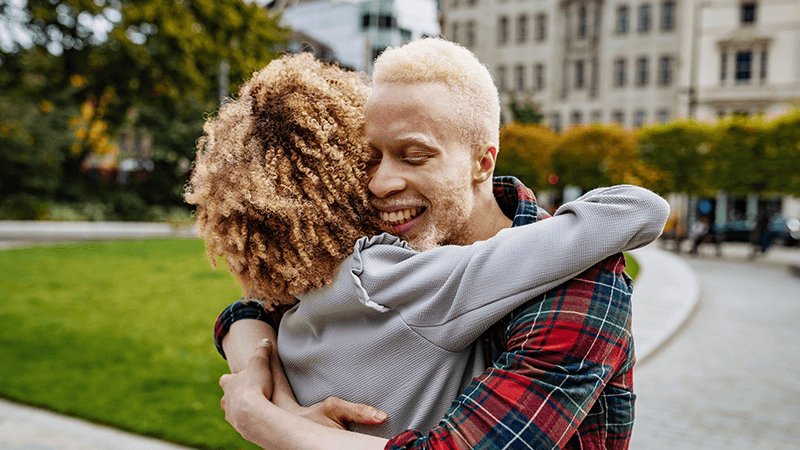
(421, 171)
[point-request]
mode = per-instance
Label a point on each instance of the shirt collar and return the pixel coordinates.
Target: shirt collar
(516, 200)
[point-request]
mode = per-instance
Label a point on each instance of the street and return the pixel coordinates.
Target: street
(728, 379)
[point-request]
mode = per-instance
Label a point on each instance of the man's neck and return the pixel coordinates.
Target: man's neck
(487, 219)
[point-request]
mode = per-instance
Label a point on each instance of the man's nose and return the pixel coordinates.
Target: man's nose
(386, 180)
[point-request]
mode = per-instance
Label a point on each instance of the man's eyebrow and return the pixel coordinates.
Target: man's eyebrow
(416, 139)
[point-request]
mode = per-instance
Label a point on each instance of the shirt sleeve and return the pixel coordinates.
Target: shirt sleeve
(560, 354)
(452, 294)
(245, 309)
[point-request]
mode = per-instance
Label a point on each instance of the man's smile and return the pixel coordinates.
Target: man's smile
(402, 220)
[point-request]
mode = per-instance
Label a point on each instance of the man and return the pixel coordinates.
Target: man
(561, 373)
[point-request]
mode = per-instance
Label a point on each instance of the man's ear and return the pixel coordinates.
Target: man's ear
(484, 163)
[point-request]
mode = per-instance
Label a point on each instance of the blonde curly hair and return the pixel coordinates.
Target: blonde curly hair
(279, 180)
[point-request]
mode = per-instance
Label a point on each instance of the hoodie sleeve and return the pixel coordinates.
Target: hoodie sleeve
(452, 294)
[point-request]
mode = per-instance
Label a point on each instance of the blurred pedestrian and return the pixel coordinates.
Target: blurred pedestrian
(761, 237)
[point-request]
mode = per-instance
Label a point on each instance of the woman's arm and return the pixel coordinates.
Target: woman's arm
(458, 292)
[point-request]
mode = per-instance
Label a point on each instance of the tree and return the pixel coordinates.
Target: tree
(740, 163)
(678, 153)
(784, 143)
(525, 111)
(526, 152)
(155, 72)
(596, 155)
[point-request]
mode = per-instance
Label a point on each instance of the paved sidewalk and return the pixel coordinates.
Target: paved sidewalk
(26, 428)
(666, 292)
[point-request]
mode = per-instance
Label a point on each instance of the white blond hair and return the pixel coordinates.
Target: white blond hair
(435, 60)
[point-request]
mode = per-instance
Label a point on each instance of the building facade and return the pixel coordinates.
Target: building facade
(635, 61)
(358, 30)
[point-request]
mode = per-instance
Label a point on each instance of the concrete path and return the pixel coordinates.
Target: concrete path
(665, 294)
(26, 428)
(729, 379)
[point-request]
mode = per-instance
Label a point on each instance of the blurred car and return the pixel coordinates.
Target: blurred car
(784, 231)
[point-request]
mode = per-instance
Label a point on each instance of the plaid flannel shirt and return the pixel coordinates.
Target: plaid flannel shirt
(562, 373)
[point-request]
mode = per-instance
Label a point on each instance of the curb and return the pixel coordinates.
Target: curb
(666, 293)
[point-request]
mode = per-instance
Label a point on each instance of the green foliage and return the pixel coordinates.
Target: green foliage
(526, 111)
(678, 153)
(783, 140)
(526, 152)
(118, 333)
(155, 74)
(740, 162)
(596, 155)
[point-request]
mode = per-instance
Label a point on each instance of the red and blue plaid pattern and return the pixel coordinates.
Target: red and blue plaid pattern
(563, 377)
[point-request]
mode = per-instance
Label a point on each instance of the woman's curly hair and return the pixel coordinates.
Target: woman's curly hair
(279, 180)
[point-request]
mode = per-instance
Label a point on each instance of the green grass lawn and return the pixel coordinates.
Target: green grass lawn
(120, 333)
(631, 266)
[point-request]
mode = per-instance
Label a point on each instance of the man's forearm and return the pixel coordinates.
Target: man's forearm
(242, 340)
(276, 429)
(239, 345)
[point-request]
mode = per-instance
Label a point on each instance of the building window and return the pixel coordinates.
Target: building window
(645, 18)
(582, 22)
(762, 71)
(579, 74)
(618, 116)
(454, 32)
(619, 72)
(470, 38)
(382, 21)
(502, 30)
(501, 78)
(622, 19)
(748, 13)
(555, 121)
(668, 15)
(597, 116)
(638, 118)
(744, 66)
(642, 71)
(519, 77)
(405, 34)
(541, 27)
(665, 71)
(723, 66)
(662, 115)
(522, 28)
(576, 118)
(538, 77)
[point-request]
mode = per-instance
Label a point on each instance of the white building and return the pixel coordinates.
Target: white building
(748, 55)
(635, 61)
(358, 30)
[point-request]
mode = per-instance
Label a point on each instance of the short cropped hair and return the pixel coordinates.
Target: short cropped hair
(435, 60)
(279, 180)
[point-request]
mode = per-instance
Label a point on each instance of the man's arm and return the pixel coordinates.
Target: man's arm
(237, 333)
(261, 422)
(560, 354)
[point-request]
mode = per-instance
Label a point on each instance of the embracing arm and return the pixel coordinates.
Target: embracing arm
(238, 331)
(247, 408)
(456, 291)
(561, 354)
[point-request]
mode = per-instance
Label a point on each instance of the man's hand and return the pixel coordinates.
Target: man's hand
(337, 413)
(245, 390)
